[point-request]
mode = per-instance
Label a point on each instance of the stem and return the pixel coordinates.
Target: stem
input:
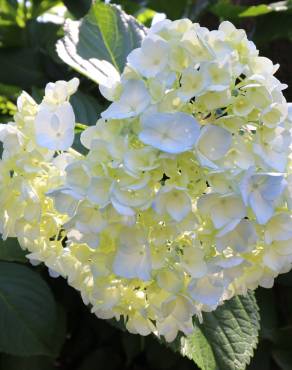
(80, 126)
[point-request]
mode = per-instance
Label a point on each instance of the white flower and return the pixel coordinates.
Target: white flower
(274, 115)
(241, 238)
(279, 228)
(170, 280)
(138, 160)
(193, 261)
(12, 139)
(65, 200)
(59, 92)
(110, 87)
(278, 258)
(86, 225)
(175, 202)
(289, 116)
(207, 290)
(90, 134)
(242, 105)
(213, 143)
(219, 74)
(138, 324)
(98, 191)
(225, 210)
(193, 82)
(151, 58)
(261, 192)
(133, 258)
(134, 100)
(169, 132)
(55, 129)
(78, 176)
(272, 147)
(126, 200)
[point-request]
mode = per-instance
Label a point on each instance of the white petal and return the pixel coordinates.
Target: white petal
(133, 258)
(133, 101)
(99, 190)
(263, 209)
(178, 205)
(206, 292)
(214, 142)
(122, 209)
(170, 132)
(55, 129)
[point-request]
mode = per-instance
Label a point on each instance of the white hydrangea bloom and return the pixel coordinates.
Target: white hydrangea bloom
(184, 197)
(55, 129)
(133, 101)
(151, 58)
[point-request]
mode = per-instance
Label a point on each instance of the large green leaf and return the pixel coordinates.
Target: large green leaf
(106, 33)
(21, 67)
(28, 313)
(86, 108)
(197, 348)
(10, 251)
(227, 337)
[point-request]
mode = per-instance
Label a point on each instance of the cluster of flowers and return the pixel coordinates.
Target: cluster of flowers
(32, 163)
(184, 198)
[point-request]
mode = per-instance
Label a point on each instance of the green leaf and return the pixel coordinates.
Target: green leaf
(226, 10)
(28, 313)
(42, 38)
(8, 11)
(197, 348)
(86, 108)
(10, 251)
(105, 34)
(10, 91)
(256, 10)
(21, 67)
(227, 337)
(11, 35)
(232, 331)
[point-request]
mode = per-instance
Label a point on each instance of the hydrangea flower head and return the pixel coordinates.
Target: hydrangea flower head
(184, 197)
